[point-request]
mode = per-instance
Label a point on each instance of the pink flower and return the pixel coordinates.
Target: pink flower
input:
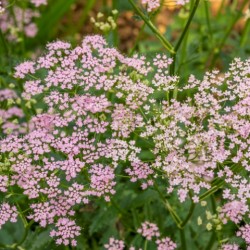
(244, 233)
(166, 244)
(66, 231)
(114, 244)
(7, 213)
(149, 230)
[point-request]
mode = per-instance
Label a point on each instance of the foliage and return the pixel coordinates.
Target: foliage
(147, 148)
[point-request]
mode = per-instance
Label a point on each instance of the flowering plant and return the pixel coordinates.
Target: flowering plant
(120, 135)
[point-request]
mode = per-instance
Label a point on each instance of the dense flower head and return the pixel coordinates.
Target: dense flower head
(233, 210)
(102, 180)
(66, 231)
(7, 213)
(151, 4)
(140, 171)
(244, 233)
(97, 104)
(114, 244)
(149, 230)
(165, 243)
(11, 115)
(230, 247)
(16, 20)
(38, 3)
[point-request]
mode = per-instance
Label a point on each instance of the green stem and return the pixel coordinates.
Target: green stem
(208, 21)
(115, 31)
(215, 52)
(27, 227)
(163, 40)
(183, 240)
(4, 44)
(189, 215)
(184, 32)
(145, 245)
(211, 242)
(177, 46)
(245, 33)
(221, 8)
(211, 191)
(172, 212)
(137, 40)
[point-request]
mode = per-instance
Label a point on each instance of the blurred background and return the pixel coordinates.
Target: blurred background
(218, 33)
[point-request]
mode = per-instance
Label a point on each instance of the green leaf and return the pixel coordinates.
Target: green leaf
(38, 240)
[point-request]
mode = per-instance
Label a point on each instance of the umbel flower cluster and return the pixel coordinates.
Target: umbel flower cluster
(148, 230)
(96, 103)
(152, 5)
(19, 19)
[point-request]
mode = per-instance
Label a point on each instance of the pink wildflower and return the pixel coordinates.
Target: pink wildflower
(149, 230)
(114, 244)
(7, 213)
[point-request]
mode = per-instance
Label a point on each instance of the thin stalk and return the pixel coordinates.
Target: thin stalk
(189, 215)
(145, 245)
(183, 240)
(4, 43)
(211, 242)
(221, 8)
(245, 33)
(184, 32)
(27, 227)
(172, 212)
(211, 191)
(208, 21)
(215, 52)
(174, 215)
(183, 53)
(196, 4)
(167, 45)
(137, 40)
(177, 46)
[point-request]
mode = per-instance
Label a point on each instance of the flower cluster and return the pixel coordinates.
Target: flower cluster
(140, 171)
(97, 104)
(66, 232)
(149, 230)
(11, 115)
(230, 247)
(165, 243)
(233, 210)
(19, 20)
(79, 133)
(244, 233)
(115, 244)
(7, 213)
(152, 5)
